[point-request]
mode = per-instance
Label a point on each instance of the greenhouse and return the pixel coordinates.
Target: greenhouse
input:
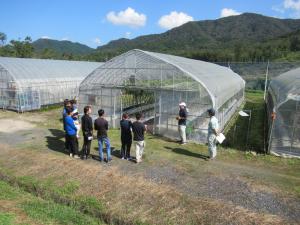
(155, 83)
(283, 105)
(29, 84)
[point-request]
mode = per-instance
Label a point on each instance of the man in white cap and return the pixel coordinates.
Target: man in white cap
(182, 122)
(213, 131)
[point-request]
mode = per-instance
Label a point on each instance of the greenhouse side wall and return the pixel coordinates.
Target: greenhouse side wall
(284, 130)
(33, 95)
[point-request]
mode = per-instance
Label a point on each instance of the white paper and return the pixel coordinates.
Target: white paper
(220, 138)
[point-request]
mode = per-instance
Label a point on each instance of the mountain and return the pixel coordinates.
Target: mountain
(224, 33)
(61, 47)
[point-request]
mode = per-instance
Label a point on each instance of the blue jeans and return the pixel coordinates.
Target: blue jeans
(100, 147)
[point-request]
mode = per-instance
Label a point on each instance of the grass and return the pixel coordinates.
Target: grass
(7, 219)
(34, 209)
(237, 135)
(47, 212)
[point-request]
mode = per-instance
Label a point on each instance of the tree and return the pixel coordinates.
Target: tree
(23, 49)
(294, 44)
(3, 38)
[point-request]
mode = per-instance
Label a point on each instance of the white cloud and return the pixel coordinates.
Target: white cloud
(278, 8)
(65, 39)
(174, 19)
(127, 34)
(45, 37)
(97, 41)
(229, 12)
(128, 17)
(292, 4)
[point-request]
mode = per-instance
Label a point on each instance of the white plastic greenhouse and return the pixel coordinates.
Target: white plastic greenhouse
(28, 84)
(284, 114)
(154, 84)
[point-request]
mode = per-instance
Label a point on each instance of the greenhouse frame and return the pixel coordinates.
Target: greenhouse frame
(28, 84)
(155, 83)
(283, 107)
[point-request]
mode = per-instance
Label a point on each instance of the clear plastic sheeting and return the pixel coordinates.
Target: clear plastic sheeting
(155, 83)
(28, 84)
(283, 104)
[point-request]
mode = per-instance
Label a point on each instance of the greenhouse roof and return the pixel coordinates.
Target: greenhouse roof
(220, 82)
(286, 86)
(27, 69)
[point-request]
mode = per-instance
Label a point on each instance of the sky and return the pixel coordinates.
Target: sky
(96, 22)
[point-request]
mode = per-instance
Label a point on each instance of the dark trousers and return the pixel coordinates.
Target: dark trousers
(86, 147)
(125, 150)
(73, 144)
(67, 147)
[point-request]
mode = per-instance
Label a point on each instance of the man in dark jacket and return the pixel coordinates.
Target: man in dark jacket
(126, 136)
(87, 131)
(101, 125)
(139, 129)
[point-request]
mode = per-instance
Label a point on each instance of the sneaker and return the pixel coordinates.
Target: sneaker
(71, 155)
(183, 143)
(129, 159)
(76, 157)
(123, 158)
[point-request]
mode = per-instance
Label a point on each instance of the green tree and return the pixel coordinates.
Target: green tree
(23, 49)
(3, 38)
(294, 44)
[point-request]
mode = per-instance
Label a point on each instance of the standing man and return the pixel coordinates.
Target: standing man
(182, 116)
(126, 136)
(213, 131)
(139, 129)
(87, 131)
(101, 125)
(71, 131)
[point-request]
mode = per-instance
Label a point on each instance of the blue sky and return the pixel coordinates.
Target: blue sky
(96, 22)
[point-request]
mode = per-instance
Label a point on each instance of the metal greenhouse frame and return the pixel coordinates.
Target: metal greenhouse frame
(28, 84)
(283, 106)
(154, 84)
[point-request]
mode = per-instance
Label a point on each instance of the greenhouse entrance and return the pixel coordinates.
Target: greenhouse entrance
(139, 101)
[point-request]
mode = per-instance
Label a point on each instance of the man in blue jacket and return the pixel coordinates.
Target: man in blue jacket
(71, 131)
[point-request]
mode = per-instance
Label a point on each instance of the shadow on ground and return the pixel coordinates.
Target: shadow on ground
(56, 141)
(186, 152)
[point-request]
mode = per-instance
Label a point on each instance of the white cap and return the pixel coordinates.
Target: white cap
(182, 104)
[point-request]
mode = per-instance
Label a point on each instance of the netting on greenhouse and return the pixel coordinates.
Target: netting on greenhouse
(154, 84)
(28, 84)
(283, 105)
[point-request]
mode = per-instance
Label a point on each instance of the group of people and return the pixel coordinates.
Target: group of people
(130, 131)
(213, 129)
(70, 119)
